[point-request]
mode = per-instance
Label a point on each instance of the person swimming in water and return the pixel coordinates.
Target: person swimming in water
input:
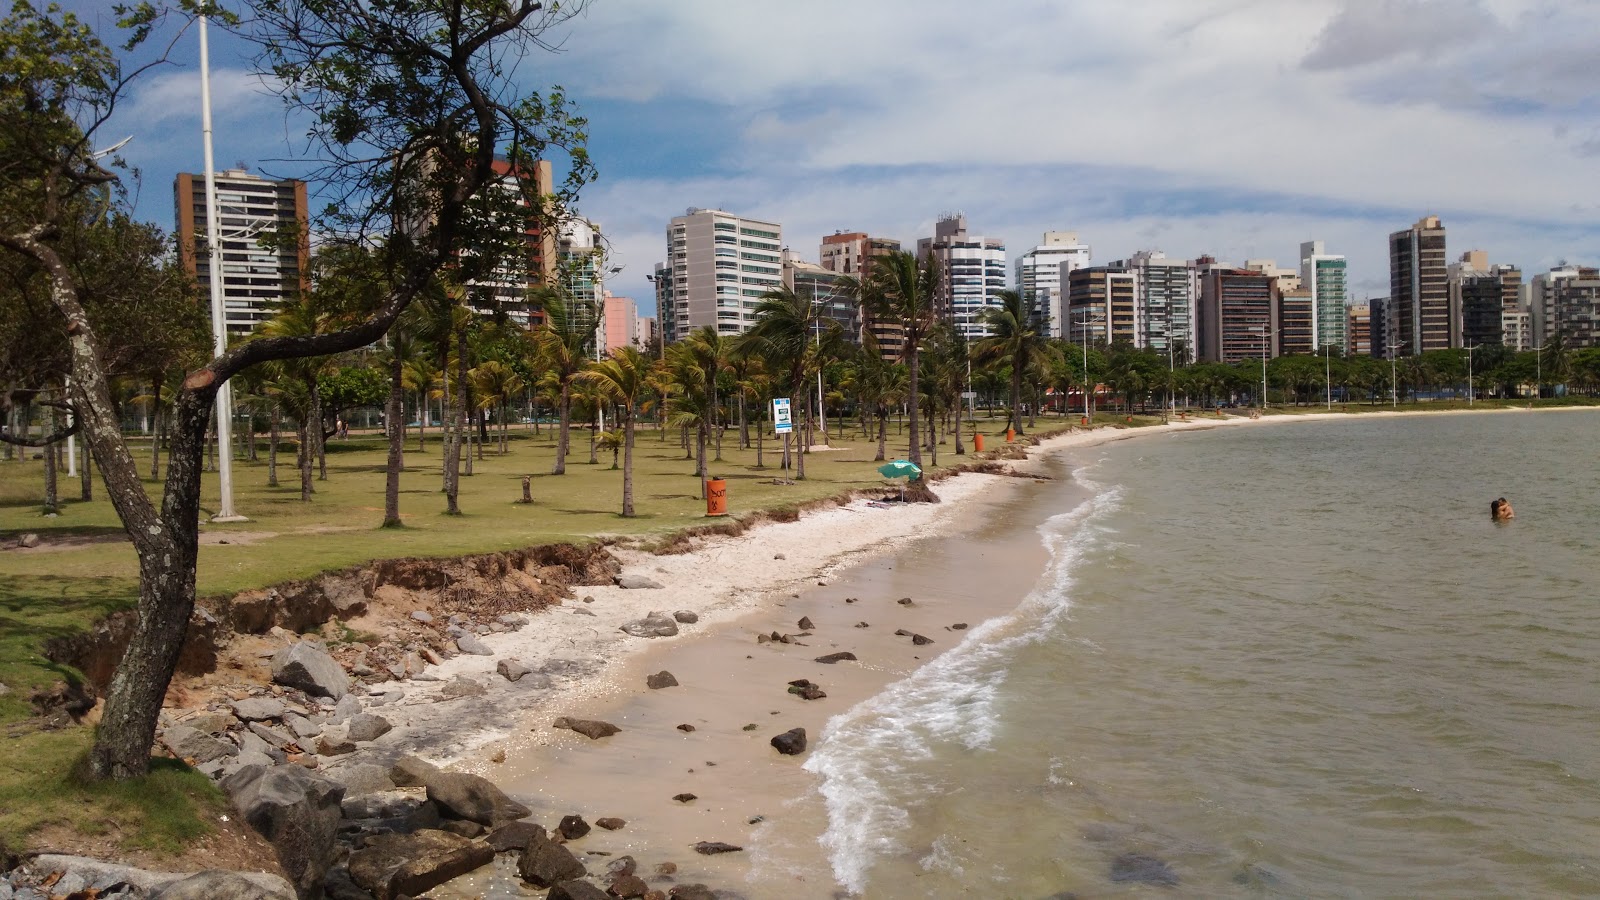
(1500, 510)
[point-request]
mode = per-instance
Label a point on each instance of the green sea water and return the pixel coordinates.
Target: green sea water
(1283, 661)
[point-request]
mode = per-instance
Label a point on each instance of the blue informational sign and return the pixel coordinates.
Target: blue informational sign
(781, 422)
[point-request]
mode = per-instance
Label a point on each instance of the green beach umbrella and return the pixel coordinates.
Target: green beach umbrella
(901, 468)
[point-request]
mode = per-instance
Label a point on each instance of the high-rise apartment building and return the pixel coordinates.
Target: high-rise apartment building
(851, 253)
(1042, 273)
(974, 270)
(580, 262)
(1385, 328)
(1164, 295)
(1324, 275)
(649, 332)
(259, 268)
(531, 252)
(1297, 322)
(621, 323)
(665, 301)
(1287, 279)
(1419, 290)
(831, 300)
(1358, 330)
(1487, 300)
(1102, 306)
(1238, 313)
(1565, 301)
(720, 264)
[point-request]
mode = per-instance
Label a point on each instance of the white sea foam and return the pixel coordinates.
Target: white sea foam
(867, 755)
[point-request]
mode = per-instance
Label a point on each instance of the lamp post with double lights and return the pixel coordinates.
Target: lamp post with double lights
(1083, 333)
(1266, 340)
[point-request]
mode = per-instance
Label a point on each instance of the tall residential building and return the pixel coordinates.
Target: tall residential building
(1102, 306)
(1287, 279)
(1324, 274)
(580, 261)
(1297, 322)
(974, 270)
(621, 323)
(1566, 301)
(257, 272)
(1358, 330)
(1042, 273)
(851, 253)
(827, 293)
(720, 265)
(649, 332)
(1419, 290)
(532, 253)
(1487, 299)
(1385, 328)
(666, 299)
(1165, 291)
(1238, 313)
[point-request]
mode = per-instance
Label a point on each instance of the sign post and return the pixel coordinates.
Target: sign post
(782, 423)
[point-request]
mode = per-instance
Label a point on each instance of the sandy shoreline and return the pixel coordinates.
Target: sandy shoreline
(762, 581)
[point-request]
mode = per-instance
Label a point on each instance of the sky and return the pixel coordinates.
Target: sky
(1235, 128)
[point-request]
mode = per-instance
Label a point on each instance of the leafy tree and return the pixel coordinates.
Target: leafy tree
(408, 104)
(564, 343)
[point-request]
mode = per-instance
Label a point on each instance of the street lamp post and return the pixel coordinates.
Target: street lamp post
(1084, 333)
(1327, 374)
(219, 327)
(1394, 382)
(1470, 348)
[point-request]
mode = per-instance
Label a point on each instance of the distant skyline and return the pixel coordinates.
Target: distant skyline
(1238, 128)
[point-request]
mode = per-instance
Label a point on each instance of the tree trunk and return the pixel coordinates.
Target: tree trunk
(594, 436)
(804, 434)
(52, 504)
(627, 467)
(960, 450)
(155, 428)
(761, 434)
(422, 421)
(394, 418)
(1016, 397)
(273, 435)
(744, 425)
(317, 441)
(304, 458)
(912, 357)
(458, 427)
(716, 414)
(701, 438)
(564, 436)
(883, 434)
(86, 484)
(933, 438)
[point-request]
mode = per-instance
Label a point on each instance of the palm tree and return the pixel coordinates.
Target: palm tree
(403, 348)
(1013, 339)
(713, 351)
(496, 384)
(563, 343)
(422, 379)
(611, 442)
(624, 377)
(901, 291)
(690, 401)
(785, 325)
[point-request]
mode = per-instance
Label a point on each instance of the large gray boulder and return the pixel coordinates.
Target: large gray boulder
(545, 863)
(296, 811)
(187, 743)
(581, 890)
(257, 709)
(653, 625)
(460, 795)
(215, 884)
(394, 865)
(308, 667)
(468, 643)
(367, 727)
(637, 583)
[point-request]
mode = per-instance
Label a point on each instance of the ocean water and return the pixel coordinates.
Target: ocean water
(1282, 661)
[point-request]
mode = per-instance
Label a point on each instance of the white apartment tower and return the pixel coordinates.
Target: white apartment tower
(720, 264)
(1324, 274)
(1166, 295)
(1042, 272)
(974, 269)
(258, 274)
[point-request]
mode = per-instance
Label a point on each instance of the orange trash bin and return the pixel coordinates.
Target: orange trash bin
(977, 443)
(1011, 435)
(716, 497)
